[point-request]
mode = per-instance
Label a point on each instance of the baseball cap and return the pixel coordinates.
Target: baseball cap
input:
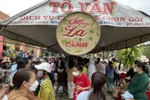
(44, 66)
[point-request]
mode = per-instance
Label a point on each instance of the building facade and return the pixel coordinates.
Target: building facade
(6, 43)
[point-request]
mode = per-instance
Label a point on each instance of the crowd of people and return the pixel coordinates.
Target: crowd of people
(31, 78)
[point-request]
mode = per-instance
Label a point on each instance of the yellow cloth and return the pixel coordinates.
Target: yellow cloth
(46, 91)
(70, 76)
(114, 64)
(84, 70)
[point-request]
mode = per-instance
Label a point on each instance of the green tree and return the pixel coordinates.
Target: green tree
(129, 55)
(108, 53)
(145, 49)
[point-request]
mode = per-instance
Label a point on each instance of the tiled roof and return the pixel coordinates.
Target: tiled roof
(3, 15)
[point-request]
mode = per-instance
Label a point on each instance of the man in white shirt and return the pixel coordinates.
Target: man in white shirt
(119, 70)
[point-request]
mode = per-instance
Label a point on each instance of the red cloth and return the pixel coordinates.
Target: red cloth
(81, 81)
(123, 75)
(148, 95)
(119, 96)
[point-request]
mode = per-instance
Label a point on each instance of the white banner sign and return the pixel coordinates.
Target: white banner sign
(106, 12)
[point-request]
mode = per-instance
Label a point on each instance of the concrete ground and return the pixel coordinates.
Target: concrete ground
(65, 97)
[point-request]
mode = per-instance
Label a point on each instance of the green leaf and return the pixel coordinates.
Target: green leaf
(65, 20)
(84, 16)
(129, 55)
(64, 42)
(97, 34)
(80, 39)
(91, 31)
(77, 51)
(92, 24)
(90, 38)
(61, 30)
(67, 49)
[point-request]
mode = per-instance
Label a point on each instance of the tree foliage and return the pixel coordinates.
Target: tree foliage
(145, 49)
(129, 55)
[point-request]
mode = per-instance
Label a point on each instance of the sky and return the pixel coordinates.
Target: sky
(13, 7)
(142, 5)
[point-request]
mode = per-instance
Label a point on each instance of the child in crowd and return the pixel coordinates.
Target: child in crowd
(121, 87)
(122, 82)
(81, 81)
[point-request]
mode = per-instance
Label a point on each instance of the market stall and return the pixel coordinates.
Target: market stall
(121, 26)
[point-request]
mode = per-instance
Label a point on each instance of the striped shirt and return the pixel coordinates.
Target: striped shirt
(46, 91)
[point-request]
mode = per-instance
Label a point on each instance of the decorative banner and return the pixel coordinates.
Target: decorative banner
(106, 12)
(78, 33)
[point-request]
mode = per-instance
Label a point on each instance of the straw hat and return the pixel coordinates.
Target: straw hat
(144, 59)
